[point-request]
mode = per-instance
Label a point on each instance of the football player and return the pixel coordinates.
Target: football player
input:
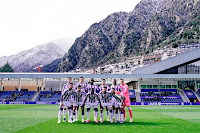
(79, 97)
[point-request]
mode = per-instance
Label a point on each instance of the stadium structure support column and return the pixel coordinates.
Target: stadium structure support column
(195, 86)
(138, 84)
(60, 84)
(37, 84)
(42, 86)
(19, 89)
(1, 85)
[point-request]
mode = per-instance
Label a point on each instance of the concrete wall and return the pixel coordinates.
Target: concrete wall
(30, 85)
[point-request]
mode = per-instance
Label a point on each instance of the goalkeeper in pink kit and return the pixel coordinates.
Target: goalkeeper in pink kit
(127, 99)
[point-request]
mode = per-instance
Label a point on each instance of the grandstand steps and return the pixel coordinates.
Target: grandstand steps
(138, 98)
(197, 95)
(183, 96)
(35, 96)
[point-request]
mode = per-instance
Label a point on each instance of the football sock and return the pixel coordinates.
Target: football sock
(116, 116)
(82, 114)
(101, 114)
(111, 114)
(107, 114)
(77, 111)
(69, 114)
(74, 117)
(121, 115)
(130, 112)
(64, 114)
(124, 114)
(88, 113)
(60, 114)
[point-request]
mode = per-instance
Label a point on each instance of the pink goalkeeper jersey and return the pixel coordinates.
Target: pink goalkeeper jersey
(125, 90)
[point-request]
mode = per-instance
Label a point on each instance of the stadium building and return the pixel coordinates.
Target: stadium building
(172, 81)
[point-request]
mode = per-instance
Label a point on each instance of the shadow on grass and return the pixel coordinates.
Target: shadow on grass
(125, 123)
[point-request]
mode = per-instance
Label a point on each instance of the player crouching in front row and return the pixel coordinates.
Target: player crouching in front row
(117, 101)
(105, 99)
(79, 98)
(92, 100)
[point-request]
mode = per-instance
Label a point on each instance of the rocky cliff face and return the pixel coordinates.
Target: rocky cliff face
(100, 39)
(153, 23)
(170, 22)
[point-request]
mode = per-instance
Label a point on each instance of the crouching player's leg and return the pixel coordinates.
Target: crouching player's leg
(83, 112)
(116, 115)
(70, 112)
(88, 113)
(111, 114)
(75, 112)
(62, 109)
(69, 105)
(101, 114)
(107, 113)
(95, 107)
(121, 110)
(119, 107)
(64, 114)
(60, 113)
(113, 108)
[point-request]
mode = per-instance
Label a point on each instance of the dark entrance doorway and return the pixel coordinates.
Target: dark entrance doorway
(186, 84)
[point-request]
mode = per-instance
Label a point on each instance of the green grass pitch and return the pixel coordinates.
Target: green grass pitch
(157, 119)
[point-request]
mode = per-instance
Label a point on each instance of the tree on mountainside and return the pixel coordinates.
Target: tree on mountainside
(6, 68)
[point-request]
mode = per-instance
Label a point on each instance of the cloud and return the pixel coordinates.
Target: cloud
(27, 23)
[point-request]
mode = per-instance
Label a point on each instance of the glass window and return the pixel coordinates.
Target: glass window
(174, 86)
(168, 86)
(143, 86)
(155, 86)
(192, 68)
(162, 86)
(149, 86)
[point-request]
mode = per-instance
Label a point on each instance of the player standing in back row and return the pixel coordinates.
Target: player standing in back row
(67, 100)
(127, 100)
(82, 83)
(91, 85)
(63, 108)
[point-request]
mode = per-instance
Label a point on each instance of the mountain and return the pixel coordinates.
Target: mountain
(177, 24)
(51, 67)
(43, 54)
(152, 24)
(96, 42)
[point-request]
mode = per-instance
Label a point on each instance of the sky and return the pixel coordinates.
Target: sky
(27, 23)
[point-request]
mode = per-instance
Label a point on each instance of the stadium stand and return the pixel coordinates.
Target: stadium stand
(49, 96)
(160, 95)
(190, 94)
(198, 92)
(16, 96)
(132, 95)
